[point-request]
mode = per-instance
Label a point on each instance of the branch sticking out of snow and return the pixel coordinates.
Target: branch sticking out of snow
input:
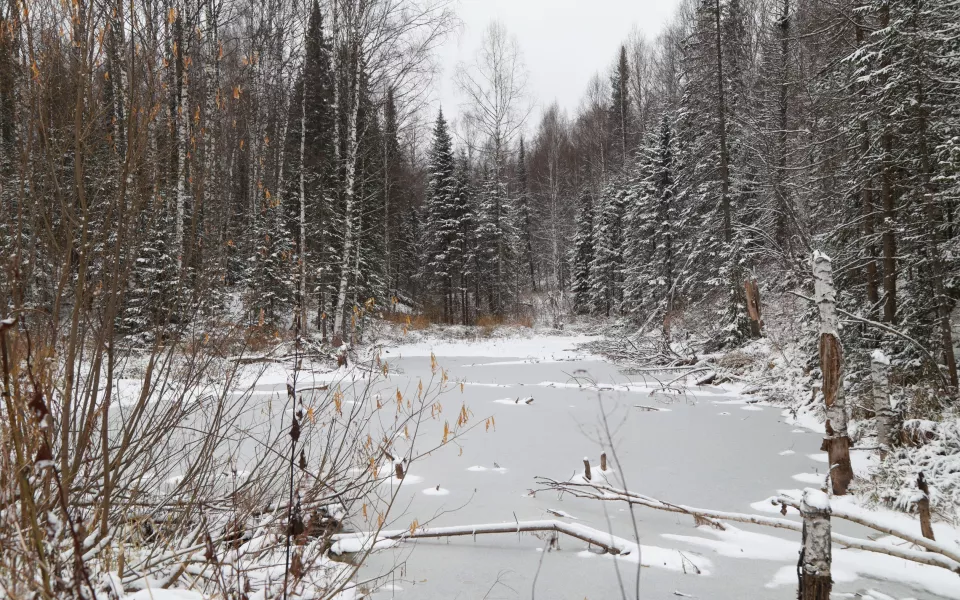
(610, 544)
(939, 555)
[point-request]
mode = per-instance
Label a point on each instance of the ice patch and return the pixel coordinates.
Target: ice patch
(436, 491)
(787, 453)
(750, 407)
(540, 348)
(408, 479)
(480, 469)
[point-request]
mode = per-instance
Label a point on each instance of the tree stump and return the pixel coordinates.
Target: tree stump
(753, 306)
(603, 461)
(815, 556)
(883, 411)
(586, 469)
(923, 507)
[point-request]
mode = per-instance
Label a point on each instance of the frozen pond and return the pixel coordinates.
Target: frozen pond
(706, 450)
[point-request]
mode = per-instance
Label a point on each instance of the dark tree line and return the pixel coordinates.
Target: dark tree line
(204, 156)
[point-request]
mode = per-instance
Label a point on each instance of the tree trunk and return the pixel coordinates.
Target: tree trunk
(889, 207)
(836, 443)
(815, 555)
(752, 290)
(883, 412)
(781, 171)
(923, 506)
(349, 182)
(302, 295)
(722, 133)
(867, 208)
(934, 239)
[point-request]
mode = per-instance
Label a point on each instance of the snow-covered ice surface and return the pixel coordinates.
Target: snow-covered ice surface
(691, 454)
(494, 350)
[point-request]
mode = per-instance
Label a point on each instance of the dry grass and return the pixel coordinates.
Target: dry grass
(736, 360)
(260, 339)
(411, 322)
(490, 323)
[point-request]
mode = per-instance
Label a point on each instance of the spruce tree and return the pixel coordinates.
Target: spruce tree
(621, 120)
(441, 230)
(583, 254)
(497, 242)
(606, 269)
(270, 279)
(152, 297)
(523, 226)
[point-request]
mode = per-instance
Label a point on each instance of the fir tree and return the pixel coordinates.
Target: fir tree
(621, 118)
(496, 238)
(583, 254)
(270, 280)
(523, 226)
(442, 239)
(651, 228)
(606, 269)
(152, 296)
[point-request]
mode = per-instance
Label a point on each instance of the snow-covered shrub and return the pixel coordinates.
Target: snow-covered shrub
(939, 460)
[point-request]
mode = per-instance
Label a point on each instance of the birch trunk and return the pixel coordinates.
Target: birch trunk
(302, 308)
(883, 412)
(181, 137)
(836, 443)
(349, 181)
(815, 556)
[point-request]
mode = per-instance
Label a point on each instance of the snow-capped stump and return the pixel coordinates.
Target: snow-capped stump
(923, 507)
(518, 401)
(815, 555)
(885, 414)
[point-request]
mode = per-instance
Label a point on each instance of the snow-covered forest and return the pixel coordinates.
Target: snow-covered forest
(220, 217)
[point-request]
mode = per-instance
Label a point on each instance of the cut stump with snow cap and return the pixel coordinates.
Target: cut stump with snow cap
(885, 414)
(815, 555)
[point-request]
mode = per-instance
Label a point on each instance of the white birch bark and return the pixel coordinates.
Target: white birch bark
(181, 135)
(349, 196)
(303, 210)
(825, 295)
(879, 364)
(815, 509)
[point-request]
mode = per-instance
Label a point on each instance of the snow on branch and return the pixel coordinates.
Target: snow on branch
(938, 555)
(610, 544)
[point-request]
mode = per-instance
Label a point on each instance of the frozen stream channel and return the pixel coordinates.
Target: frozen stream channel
(706, 450)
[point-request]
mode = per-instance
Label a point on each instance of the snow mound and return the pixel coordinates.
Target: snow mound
(848, 565)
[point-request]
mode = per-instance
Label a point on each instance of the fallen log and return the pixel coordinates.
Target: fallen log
(938, 555)
(609, 543)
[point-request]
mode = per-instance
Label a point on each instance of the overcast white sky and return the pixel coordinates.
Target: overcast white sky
(564, 42)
